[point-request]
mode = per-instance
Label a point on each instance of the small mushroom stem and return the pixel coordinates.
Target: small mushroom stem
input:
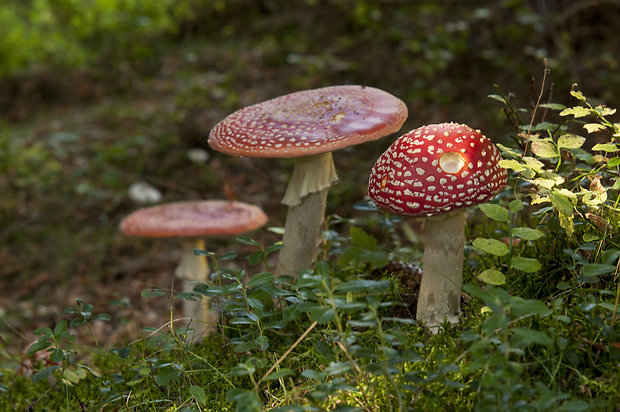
(442, 265)
(191, 270)
(306, 197)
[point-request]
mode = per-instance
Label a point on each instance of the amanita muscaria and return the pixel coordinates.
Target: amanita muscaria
(193, 221)
(435, 172)
(308, 125)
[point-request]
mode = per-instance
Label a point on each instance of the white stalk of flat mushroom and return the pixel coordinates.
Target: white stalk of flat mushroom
(306, 197)
(442, 265)
(191, 270)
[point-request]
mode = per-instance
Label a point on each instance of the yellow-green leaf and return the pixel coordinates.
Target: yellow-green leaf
(544, 148)
(576, 111)
(571, 141)
(527, 233)
(562, 203)
(495, 212)
(492, 277)
(491, 246)
(594, 127)
(566, 221)
(511, 164)
(578, 95)
(606, 147)
(613, 162)
(533, 163)
(605, 111)
(515, 206)
(527, 265)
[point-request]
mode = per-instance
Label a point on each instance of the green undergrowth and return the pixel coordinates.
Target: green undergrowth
(539, 329)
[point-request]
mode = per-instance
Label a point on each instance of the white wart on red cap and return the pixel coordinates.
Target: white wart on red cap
(194, 219)
(436, 169)
(309, 122)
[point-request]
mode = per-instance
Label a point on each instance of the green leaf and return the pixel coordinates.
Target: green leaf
(497, 97)
(492, 246)
(606, 147)
(361, 285)
(314, 375)
(276, 229)
(103, 316)
(260, 279)
(228, 256)
(61, 328)
(552, 106)
(541, 126)
(322, 314)
(246, 240)
(527, 233)
(256, 257)
(279, 374)
(247, 399)
(152, 293)
(530, 336)
(57, 355)
(561, 203)
(37, 346)
(571, 141)
(495, 212)
(274, 248)
(523, 307)
(595, 269)
(574, 406)
(527, 265)
(44, 374)
(337, 368)
(361, 255)
(166, 375)
(361, 238)
(544, 148)
(613, 162)
(492, 277)
(198, 394)
(322, 269)
(516, 206)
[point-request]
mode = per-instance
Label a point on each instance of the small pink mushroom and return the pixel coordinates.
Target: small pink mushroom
(435, 172)
(192, 221)
(308, 125)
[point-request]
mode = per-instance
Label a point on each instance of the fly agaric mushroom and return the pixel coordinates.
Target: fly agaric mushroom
(192, 221)
(308, 125)
(435, 172)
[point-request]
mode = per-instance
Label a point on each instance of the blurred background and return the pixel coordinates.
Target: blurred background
(106, 105)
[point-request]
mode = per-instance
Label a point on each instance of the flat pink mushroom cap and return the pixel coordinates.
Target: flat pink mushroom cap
(309, 122)
(436, 169)
(194, 219)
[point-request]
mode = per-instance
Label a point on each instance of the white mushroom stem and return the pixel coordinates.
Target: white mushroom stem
(442, 265)
(306, 196)
(191, 270)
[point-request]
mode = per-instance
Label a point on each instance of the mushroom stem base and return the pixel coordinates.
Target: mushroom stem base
(191, 270)
(442, 265)
(302, 234)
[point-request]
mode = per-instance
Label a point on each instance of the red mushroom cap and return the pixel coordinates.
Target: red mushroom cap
(435, 169)
(194, 219)
(309, 122)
